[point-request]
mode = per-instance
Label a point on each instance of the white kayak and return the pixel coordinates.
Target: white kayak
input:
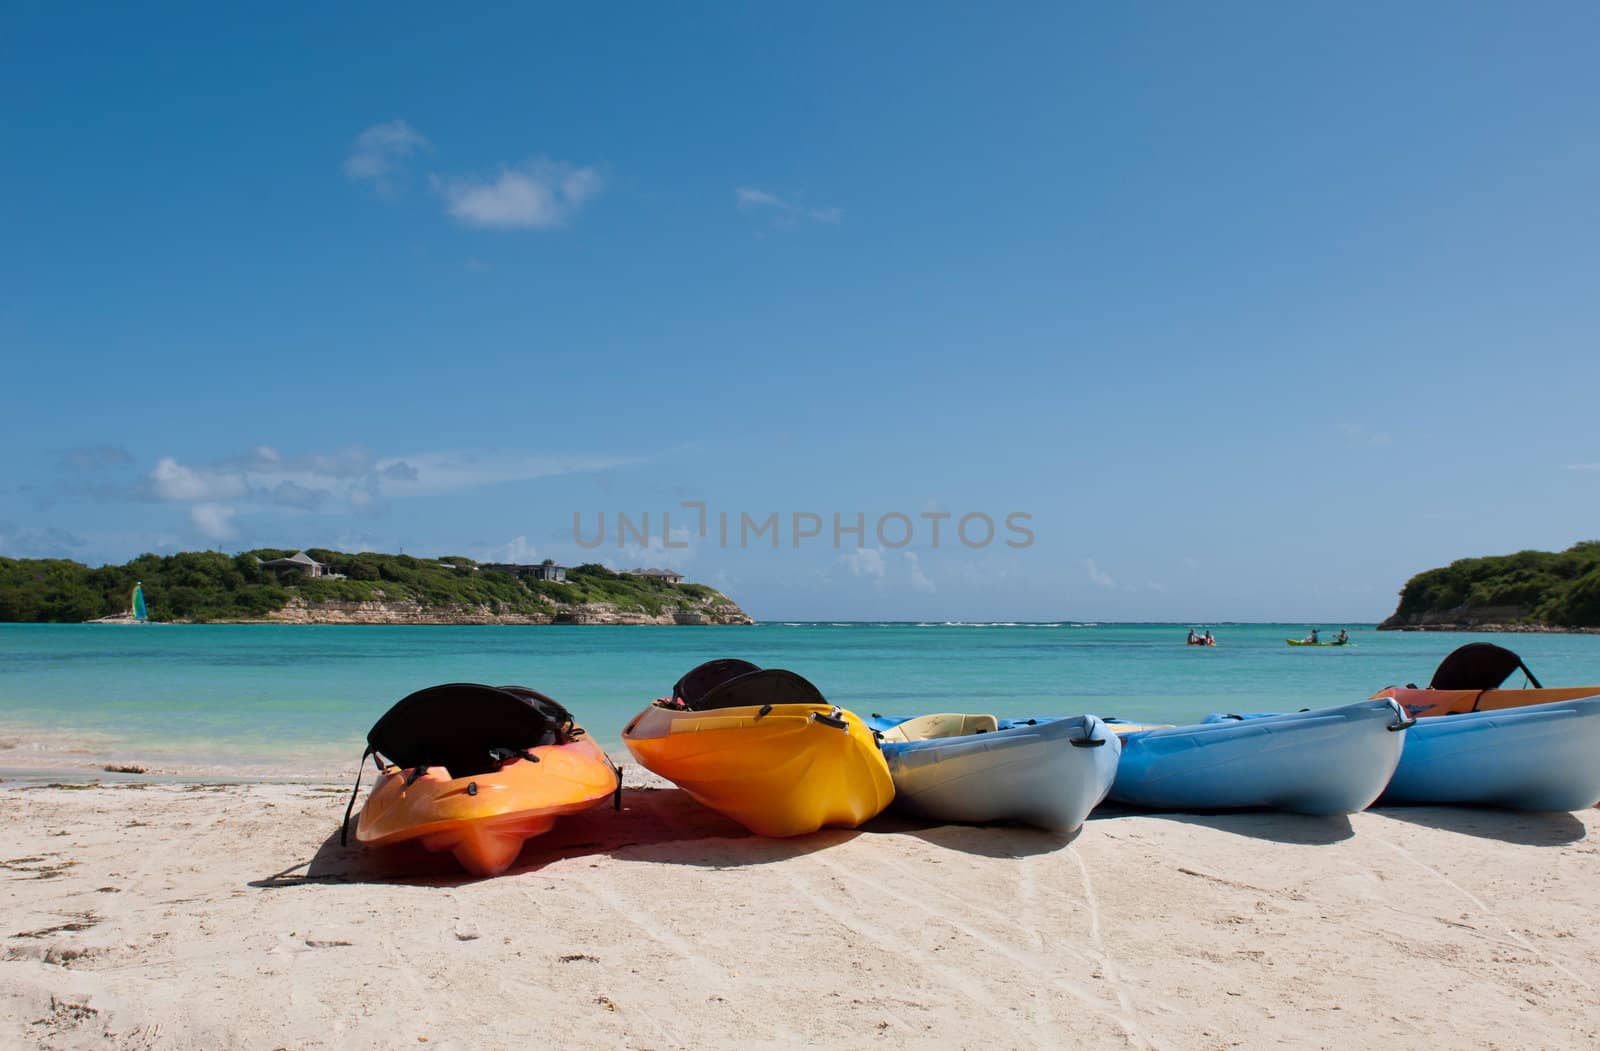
(974, 768)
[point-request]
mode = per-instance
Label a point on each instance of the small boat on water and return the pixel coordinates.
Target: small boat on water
(1326, 761)
(764, 747)
(1308, 642)
(1538, 757)
(1471, 678)
(136, 614)
(477, 771)
(976, 768)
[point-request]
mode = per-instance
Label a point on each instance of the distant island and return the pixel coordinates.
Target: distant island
(1527, 591)
(321, 586)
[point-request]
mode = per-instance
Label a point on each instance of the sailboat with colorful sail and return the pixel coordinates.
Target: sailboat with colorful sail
(137, 613)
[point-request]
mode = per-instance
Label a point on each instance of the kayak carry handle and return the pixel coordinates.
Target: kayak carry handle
(1087, 742)
(1403, 719)
(834, 719)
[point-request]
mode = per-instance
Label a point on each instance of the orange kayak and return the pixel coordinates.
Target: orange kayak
(1424, 703)
(478, 771)
(1470, 678)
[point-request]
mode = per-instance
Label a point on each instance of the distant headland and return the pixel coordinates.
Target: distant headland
(1527, 591)
(322, 586)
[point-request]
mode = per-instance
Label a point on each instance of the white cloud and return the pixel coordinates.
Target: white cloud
(377, 153)
(1583, 466)
(214, 521)
(758, 198)
(654, 553)
(919, 580)
(750, 198)
(515, 550)
(1098, 576)
(865, 562)
(171, 481)
(534, 196)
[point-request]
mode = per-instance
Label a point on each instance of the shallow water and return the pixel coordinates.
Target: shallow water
(309, 693)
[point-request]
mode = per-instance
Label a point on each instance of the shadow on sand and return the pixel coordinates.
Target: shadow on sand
(654, 824)
(1274, 825)
(990, 841)
(1507, 826)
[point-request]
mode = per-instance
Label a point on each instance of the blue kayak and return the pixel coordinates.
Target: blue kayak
(975, 768)
(1541, 757)
(1327, 761)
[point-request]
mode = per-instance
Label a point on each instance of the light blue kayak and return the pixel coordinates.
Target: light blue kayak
(974, 768)
(1327, 761)
(1541, 757)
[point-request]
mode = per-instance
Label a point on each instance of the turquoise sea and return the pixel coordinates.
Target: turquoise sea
(308, 694)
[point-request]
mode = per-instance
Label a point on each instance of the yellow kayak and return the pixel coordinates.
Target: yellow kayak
(766, 749)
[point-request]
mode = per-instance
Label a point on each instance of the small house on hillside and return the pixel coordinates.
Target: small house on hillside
(298, 561)
(546, 570)
(666, 576)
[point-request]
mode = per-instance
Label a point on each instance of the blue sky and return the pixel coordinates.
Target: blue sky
(1255, 310)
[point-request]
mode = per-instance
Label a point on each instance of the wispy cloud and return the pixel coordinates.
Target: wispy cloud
(351, 480)
(1361, 434)
(37, 543)
(96, 458)
(918, 579)
(214, 521)
(1097, 576)
(1583, 466)
(751, 199)
(378, 153)
(537, 195)
(865, 562)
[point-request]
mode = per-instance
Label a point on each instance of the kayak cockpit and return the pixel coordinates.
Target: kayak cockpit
(941, 725)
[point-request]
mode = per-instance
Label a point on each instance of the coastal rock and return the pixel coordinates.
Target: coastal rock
(387, 611)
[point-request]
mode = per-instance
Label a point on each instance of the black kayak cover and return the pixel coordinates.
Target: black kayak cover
(1478, 666)
(705, 677)
(458, 725)
(764, 686)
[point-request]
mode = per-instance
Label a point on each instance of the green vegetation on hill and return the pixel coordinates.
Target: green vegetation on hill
(210, 586)
(1534, 588)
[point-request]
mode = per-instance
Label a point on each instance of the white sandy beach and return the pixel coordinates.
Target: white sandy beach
(197, 915)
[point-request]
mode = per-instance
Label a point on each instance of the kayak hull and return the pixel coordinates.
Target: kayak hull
(1303, 642)
(1541, 757)
(1328, 761)
(1428, 703)
(484, 820)
(779, 770)
(1050, 774)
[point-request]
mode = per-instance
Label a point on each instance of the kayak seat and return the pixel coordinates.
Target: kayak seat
(944, 724)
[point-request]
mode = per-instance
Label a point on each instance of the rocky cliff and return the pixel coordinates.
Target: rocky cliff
(407, 611)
